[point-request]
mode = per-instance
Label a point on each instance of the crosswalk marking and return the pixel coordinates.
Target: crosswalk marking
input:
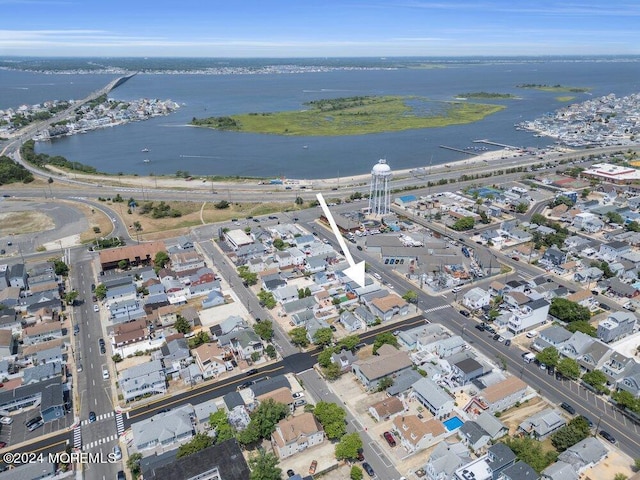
(435, 309)
(119, 423)
(108, 439)
(77, 437)
(99, 417)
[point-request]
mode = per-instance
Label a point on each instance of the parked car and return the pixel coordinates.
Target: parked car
(6, 420)
(121, 476)
(604, 306)
(360, 455)
(507, 342)
(388, 436)
(465, 313)
(565, 406)
(96, 308)
(496, 336)
(367, 468)
(3, 444)
(290, 473)
(34, 423)
(105, 374)
(117, 453)
(312, 467)
(480, 327)
(607, 436)
(298, 395)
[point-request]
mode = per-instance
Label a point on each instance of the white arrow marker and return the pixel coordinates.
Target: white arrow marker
(355, 271)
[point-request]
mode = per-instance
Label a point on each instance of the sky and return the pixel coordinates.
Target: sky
(318, 28)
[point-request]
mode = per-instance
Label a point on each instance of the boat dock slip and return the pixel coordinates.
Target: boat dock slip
(502, 145)
(458, 150)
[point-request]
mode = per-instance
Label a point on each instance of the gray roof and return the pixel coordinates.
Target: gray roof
(586, 452)
(468, 365)
(51, 394)
(520, 471)
(556, 334)
(25, 391)
(447, 458)
(560, 471)
(141, 370)
(39, 372)
(233, 400)
(300, 304)
(490, 423)
(204, 410)
(269, 385)
(432, 392)
(163, 426)
(473, 431)
(403, 381)
(499, 456)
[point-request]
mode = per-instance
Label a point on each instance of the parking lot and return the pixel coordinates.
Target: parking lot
(17, 432)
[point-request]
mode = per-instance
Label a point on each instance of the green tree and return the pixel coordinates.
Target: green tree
(299, 336)
(324, 358)
(332, 371)
(349, 342)
(382, 338)
(568, 311)
(597, 380)
(200, 441)
(101, 291)
(522, 207)
(636, 464)
(71, 297)
(569, 368)
(538, 219)
(221, 205)
(220, 424)
(161, 259)
(356, 473)
(348, 446)
(299, 200)
(614, 217)
(633, 226)
(384, 383)
(200, 338)
(626, 400)
(575, 431)
(582, 326)
(332, 418)
(410, 296)
(267, 415)
(182, 325)
(464, 223)
(271, 351)
(60, 268)
(530, 451)
(264, 329)
(264, 466)
(279, 244)
(620, 476)
(549, 356)
(133, 464)
(123, 264)
(323, 336)
(248, 277)
(266, 298)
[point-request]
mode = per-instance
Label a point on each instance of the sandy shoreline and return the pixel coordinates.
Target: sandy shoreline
(155, 182)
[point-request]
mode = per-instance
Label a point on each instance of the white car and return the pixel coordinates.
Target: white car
(6, 420)
(298, 395)
(532, 334)
(96, 308)
(105, 373)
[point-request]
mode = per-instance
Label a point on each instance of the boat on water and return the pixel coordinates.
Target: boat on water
(145, 150)
(146, 160)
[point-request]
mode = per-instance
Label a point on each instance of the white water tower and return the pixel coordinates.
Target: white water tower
(379, 198)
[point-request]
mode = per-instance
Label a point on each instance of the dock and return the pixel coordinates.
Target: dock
(496, 144)
(466, 152)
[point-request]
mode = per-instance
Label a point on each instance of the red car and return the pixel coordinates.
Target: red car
(3, 444)
(312, 467)
(388, 436)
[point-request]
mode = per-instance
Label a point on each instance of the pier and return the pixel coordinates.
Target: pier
(466, 152)
(501, 145)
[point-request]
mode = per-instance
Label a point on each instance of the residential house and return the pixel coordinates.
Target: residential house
(221, 461)
(613, 250)
(175, 355)
(386, 307)
(519, 471)
(365, 315)
(630, 381)
(286, 294)
(209, 358)
(388, 362)
(41, 332)
(542, 424)
(41, 372)
(476, 298)
(246, 342)
(433, 397)
(553, 257)
(621, 289)
(577, 345)
(386, 408)
(281, 395)
(143, 379)
(616, 326)
(467, 370)
(492, 425)
(186, 261)
(164, 429)
(415, 434)
(473, 436)
(445, 459)
(350, 322)
(529, 315)
(402, 383)
(583, 298)
(559, 471)
(554, 336)
(295, 434)
(8, 344)
(498, 458)
(584, 454)
(615, 366)
(121, 293)
(213, 299)
(449, 346)
(596, 354)
(498, 397)
(344, 359)
(273, 281)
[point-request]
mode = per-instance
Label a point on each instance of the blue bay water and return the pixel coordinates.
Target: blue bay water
(173, 145)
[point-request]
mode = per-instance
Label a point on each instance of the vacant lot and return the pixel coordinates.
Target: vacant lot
(19, 223)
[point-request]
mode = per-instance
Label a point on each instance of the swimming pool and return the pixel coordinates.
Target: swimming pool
(452, 423)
